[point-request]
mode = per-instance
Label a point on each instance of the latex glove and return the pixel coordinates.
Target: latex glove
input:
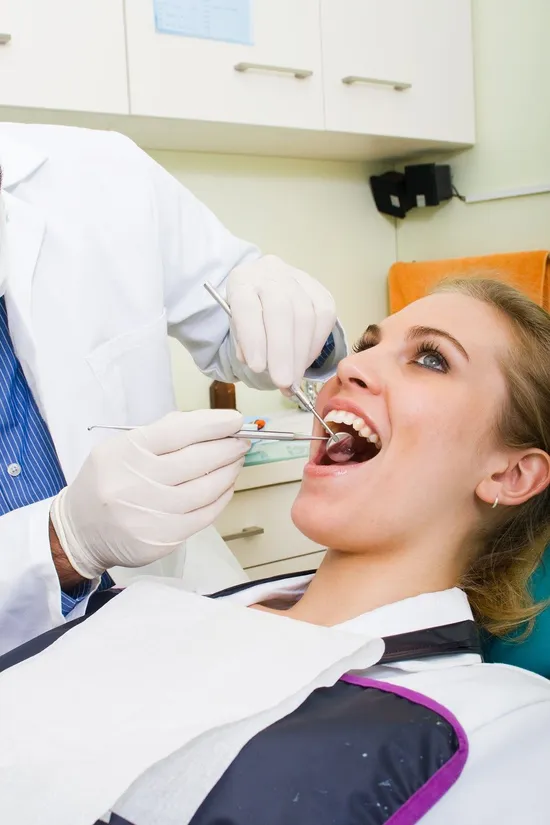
(139, 495)
(281, 318)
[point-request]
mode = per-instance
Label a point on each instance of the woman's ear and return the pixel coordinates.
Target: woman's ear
(527, 475)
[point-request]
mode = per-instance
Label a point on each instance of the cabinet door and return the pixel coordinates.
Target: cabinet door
(64, 54)
(399, 68)
(183, 77)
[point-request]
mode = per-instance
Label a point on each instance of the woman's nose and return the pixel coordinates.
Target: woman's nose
(357, 371)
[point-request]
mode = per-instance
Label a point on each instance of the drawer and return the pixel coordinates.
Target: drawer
(269, 475)
(268, 510)
(311, 561)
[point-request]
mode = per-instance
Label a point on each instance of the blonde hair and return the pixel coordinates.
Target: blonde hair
(512, 541)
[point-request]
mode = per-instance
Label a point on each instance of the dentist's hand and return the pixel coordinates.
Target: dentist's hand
(281, 318)
(139, 495)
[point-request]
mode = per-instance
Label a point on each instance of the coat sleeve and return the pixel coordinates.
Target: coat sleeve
(505, 778)
(30, 593)
(196, 247)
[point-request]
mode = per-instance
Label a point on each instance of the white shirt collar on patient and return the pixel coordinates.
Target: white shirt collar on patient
(416, 613)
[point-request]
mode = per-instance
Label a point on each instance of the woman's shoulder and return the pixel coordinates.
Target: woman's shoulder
(504, 713)
(506, 687)
(482, 694)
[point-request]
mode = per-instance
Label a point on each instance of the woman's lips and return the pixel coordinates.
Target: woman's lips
(317, 470)
(317, 449)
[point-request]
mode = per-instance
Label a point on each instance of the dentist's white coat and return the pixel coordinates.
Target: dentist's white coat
(97, 274)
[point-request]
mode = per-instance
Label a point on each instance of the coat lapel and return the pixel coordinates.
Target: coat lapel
(53, 378)
(24, 235)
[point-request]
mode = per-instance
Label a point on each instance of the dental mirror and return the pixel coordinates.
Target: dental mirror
(340, 447)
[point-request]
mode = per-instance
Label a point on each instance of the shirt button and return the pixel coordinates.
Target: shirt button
(14, 469)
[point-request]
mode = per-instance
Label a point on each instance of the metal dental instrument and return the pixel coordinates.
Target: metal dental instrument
(340, 446)
(253, 435)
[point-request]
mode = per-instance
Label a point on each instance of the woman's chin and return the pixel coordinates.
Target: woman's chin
(310, 517)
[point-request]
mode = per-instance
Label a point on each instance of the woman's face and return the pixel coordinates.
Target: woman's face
(428, 384)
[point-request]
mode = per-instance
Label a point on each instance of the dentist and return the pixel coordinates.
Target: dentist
(102, 255)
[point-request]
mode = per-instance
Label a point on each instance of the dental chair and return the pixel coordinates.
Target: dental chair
(533, 653)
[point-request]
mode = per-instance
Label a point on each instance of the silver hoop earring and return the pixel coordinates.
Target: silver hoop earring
(495, 503)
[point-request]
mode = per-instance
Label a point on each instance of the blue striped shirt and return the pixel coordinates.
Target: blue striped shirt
(29, 466)
(325, 353)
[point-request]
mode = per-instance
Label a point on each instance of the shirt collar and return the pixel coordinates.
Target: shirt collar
(17, 159)
(416, 613)
(419, 612)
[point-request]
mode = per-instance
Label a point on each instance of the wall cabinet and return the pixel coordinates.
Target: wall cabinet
(399, 68)
(277, 81)
(365, 79)
(63, 54)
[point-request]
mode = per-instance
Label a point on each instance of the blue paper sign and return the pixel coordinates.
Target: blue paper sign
(227, 20)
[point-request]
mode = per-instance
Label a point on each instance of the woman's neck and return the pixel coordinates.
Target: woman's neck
(347, 585)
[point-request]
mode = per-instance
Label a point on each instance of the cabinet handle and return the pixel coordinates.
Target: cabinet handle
(245, 533)
(301, 74)
(4, 39)
(373, 81)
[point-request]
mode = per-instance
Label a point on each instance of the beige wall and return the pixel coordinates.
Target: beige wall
(512, 68)
(317, 215)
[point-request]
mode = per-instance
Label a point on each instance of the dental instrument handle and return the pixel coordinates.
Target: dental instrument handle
(253, 435)
(218, 298)
(124, 427)
(294, 388)
(276, 435)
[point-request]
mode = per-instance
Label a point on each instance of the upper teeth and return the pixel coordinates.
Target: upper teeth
(352, 420)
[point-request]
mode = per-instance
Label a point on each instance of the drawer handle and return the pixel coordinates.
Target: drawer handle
(373, 81)
(245, 533)
(300, 74)
(4, 39)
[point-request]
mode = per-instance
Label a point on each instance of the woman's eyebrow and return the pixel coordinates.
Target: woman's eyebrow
(422, 332)
(373, 334)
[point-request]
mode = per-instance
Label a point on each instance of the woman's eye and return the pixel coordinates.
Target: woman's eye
(433, 360)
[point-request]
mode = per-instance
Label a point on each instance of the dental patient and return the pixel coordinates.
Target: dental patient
(434, 528)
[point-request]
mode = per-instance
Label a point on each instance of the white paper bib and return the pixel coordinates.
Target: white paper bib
(155, 670)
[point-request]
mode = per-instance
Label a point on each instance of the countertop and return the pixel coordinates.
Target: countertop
(278, 462)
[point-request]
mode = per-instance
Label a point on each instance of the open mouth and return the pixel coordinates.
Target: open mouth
(366, 442)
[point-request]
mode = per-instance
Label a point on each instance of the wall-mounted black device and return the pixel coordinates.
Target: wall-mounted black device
(390, 194)
(428, 184)
(422, 184)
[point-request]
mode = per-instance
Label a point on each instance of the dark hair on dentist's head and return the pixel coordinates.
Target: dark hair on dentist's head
(512, 539)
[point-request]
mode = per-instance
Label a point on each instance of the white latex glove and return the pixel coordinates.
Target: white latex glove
(281, 318)
(139, 495)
